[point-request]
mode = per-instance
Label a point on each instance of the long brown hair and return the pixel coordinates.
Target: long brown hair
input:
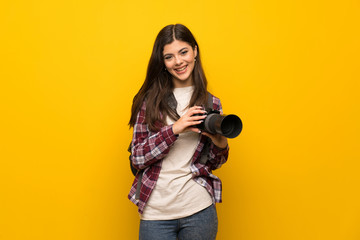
(158, 84)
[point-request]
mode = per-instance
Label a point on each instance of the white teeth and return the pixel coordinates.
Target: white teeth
(181, 69)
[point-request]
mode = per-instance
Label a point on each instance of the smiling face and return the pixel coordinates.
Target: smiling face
(179, 59)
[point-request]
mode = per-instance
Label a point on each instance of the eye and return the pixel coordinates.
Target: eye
(184, 52)
(167, 57)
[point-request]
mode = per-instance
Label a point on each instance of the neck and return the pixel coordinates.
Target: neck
(182, 83)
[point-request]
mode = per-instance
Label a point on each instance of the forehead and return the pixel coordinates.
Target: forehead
(175, 46)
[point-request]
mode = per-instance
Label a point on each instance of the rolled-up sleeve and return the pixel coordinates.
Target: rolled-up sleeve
(149, 147)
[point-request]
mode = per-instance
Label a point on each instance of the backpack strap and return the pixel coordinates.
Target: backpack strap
(205, 152)
(209, 103)
(138, 185)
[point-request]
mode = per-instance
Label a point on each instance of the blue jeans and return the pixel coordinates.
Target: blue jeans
(200, 226)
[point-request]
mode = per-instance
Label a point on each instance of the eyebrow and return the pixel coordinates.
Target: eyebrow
(178, 51)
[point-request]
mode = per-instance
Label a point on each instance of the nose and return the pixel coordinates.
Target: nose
(178, 60)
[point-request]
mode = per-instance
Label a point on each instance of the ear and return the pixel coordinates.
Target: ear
(195, 51)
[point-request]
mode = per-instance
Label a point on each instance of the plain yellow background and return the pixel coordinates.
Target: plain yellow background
(289, 69)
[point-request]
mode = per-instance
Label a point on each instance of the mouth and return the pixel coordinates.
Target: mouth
(181, 70)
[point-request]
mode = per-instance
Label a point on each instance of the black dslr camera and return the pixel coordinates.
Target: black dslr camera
(229, 126)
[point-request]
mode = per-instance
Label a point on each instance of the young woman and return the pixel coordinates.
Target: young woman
(178, 192)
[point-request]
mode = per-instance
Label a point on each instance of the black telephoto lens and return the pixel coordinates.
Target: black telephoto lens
(229, 126)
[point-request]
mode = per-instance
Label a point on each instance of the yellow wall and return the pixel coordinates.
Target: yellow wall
(290, 69)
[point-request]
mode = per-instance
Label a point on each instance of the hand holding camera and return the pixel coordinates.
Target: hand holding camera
(229, 126)
(188, 122)
(210, 120)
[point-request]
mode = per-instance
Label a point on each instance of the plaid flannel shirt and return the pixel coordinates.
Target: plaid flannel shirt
(150, 148)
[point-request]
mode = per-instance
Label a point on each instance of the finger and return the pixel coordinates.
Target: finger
(196, 130)
(197, 118)
(195, 108)
(195, 113)
(192, 112)
(211, 136)
(198, 107)
(193, 123)
(207, 134)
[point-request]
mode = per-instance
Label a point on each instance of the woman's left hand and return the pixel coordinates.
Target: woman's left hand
(219, 140)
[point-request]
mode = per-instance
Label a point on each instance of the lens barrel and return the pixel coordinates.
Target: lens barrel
(229, 126)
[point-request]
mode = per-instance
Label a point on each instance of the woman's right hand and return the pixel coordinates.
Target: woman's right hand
(187, 122)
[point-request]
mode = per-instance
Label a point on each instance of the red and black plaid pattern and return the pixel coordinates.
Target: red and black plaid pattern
(150, 148)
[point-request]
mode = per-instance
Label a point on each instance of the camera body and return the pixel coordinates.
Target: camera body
(229, 126)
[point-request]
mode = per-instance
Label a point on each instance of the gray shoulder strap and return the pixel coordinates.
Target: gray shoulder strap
(209, 103)
(138, 186)
(205, 152)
